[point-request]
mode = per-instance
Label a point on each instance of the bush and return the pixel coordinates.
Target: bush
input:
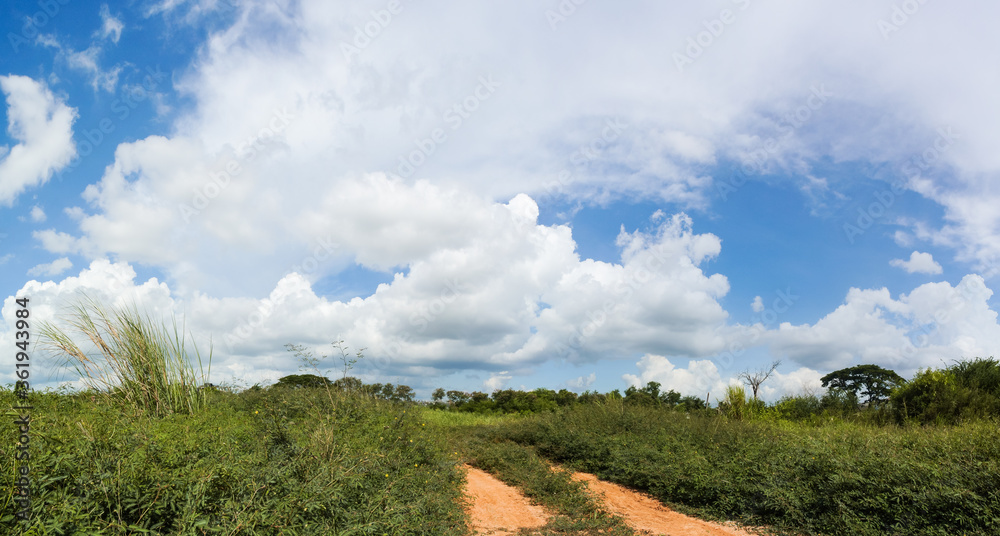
(979, 375)
(947, 397)
(798, 407)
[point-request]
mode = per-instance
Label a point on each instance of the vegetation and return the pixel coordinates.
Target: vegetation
(259, 462)
(839, 478)
(138, 359)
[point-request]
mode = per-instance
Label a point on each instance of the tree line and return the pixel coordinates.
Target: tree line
(963, 391)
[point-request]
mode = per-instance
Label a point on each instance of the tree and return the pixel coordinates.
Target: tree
(303, 380)
(670, 398)
(402, 393)
(438, 394)
(754, 379)
(457, 398)
(871, 381)
(689, 403)
(348, 383)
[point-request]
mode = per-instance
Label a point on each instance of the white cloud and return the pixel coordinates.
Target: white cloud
(497, 380)
(582, 383)
(699, 378)
(457, 308)
(51, 269)
(86, 61)
(934, 322)
(111, 27)
(922, 263)
(903, 239)
(57, 241)
(43, 126)
(527, 133)
(37, 214)
(804, 381)
(758, 304)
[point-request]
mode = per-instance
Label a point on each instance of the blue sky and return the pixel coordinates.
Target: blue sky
(569, 195)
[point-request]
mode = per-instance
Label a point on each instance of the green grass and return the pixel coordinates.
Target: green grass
(259, 462)
(838, 478)
(463, 419)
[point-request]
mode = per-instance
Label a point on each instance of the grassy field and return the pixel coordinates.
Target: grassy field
(278, 461)
(313, 461)
(838, 478)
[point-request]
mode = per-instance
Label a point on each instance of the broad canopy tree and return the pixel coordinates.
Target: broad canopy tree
(871, 381)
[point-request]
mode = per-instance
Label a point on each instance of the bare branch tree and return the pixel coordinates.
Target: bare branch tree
(754, 379)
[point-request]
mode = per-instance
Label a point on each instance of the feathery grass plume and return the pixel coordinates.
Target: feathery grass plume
(734, 405)
(139, 360)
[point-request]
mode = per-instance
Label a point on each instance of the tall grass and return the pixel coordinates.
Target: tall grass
(136, 359)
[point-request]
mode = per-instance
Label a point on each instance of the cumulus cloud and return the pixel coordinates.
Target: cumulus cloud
(37, 214)
(758, 304)
(802, 382)
(582, 383)
(51, 269)
(497, 380)
(935, 321)
(697, 379)
(457, 308)
(922, 263)
(43, 126)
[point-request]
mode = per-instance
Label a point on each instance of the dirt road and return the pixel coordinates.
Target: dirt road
(499, 510)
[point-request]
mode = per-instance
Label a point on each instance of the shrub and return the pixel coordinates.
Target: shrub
(942, 396)
(798, 407)
(734, 405)
(979, 374)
